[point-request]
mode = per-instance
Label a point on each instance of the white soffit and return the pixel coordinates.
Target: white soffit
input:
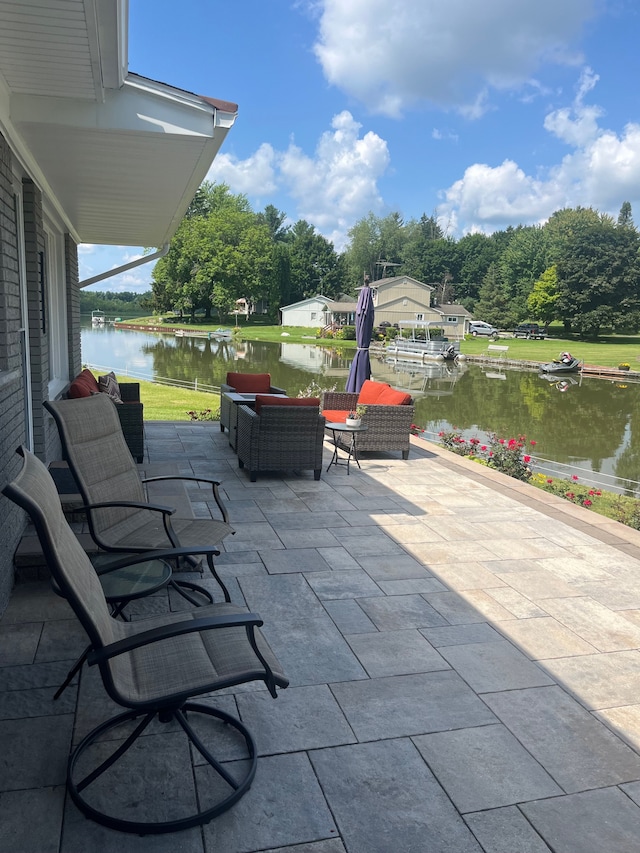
(119, 155)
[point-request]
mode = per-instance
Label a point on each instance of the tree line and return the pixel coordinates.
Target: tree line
(581, 267)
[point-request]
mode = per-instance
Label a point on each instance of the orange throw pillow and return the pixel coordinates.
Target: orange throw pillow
(370, 392)
(391, 397)
(250, 383)
(267, 400)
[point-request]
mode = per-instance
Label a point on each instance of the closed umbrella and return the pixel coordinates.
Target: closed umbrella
(361, 365)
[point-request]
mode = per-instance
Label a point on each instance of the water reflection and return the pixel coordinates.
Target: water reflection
(594, 423)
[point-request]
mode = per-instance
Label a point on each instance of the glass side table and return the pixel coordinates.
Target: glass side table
(351, 449)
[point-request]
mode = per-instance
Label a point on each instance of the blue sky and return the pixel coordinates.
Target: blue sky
(486, 114)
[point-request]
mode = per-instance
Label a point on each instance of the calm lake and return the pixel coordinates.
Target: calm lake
(591, 425)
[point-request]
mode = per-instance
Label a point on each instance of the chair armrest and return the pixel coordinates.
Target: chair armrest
(275, 390)
(166, 554)
(175, 629)
(130, 392)
(226, 388)
(214, 488)
(165, 510)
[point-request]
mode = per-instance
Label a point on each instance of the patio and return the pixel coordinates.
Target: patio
(463, 651)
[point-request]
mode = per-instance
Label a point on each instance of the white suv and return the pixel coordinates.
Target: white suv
(477, 327)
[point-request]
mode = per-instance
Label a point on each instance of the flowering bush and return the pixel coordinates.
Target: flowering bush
(570, 490)
(416, 430)
(505, 455)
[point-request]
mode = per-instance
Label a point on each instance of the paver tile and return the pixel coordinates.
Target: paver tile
(575, 749)
(399, 804)
(590, 822)
(502, 772)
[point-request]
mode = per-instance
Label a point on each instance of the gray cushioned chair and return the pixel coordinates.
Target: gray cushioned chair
(153, 668)
(119, 515)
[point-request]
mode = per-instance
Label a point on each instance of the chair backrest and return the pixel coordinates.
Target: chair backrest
(94, 446)
(34, 490)
(250, 383)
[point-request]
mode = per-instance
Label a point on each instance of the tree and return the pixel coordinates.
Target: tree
(315, 267)
(274, 219)
(493, 306)
(543, 299)
(625, 219)
(522, 262)
(599, 278)
(213, 260)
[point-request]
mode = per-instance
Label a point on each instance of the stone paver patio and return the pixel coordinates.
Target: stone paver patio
(463, 653)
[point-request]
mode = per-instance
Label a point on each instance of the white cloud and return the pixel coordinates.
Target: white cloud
(338, 185)
(601, 171)
(332, 188)
(392, 54)
(253, 176)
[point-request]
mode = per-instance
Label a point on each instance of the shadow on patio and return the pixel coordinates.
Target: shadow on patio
(463, 657)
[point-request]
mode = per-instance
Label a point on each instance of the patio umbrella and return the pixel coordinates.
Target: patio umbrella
(361, 365)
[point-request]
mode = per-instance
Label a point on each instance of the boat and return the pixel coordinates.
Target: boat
(225, 334)
(566, 363)
(98, 318)
(419, 344)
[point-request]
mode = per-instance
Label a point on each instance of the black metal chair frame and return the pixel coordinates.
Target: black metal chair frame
(34, 491)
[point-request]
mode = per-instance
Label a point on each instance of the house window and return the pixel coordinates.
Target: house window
(452, 319)
(419, 316)
(314, 315)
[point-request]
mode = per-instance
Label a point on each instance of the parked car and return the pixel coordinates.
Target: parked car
(477, 327)
(529, 330)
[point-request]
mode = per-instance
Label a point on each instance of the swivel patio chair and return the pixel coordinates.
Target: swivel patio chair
(154, 668)
(119, 515)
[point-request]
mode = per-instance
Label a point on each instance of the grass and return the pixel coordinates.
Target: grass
(168, 403)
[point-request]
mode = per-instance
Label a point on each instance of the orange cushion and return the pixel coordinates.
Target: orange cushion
(335, 417)
(268, 400)
(84, 385)
(391, 397)
(250, 383)
(370, 391)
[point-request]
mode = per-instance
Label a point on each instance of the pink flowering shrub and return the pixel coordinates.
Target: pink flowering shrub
(505, 455)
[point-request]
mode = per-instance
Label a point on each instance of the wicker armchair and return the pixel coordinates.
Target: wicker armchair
(280, 438)
(131, 418)
(389, 427)
(229, 410)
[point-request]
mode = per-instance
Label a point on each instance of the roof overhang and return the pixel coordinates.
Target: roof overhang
(118, 156)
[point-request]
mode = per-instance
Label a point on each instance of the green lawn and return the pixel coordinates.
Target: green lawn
(167, 403)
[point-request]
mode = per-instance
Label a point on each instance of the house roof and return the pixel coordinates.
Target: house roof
(452, 308)
(309, 300)
(385, 282)
(120, 156)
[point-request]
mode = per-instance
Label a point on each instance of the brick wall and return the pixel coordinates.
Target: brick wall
(12, 415)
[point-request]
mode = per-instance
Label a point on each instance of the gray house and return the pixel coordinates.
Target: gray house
(89, 153)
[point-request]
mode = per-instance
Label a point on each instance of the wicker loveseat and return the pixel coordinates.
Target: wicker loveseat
(130, 410)
(388, 416)
(281, 434)
(241, 383)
